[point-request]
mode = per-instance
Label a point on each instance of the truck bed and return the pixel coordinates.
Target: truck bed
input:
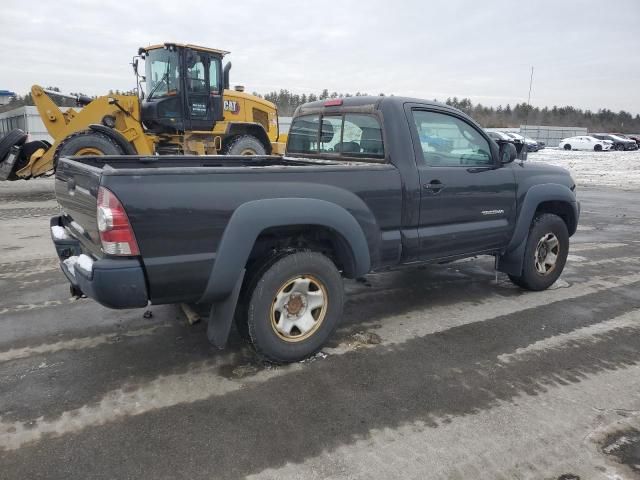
(120, 162)
(179, 206)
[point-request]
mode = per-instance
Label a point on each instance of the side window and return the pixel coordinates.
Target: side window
(330, 134)
(349, 135)
(303, 134)
(195, 74)
(213, 75)
(450, 142)
(362, 136)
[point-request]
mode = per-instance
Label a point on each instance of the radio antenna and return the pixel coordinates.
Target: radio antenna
(526, 118)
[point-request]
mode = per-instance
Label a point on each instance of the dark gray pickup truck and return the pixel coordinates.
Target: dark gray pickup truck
(367, 184)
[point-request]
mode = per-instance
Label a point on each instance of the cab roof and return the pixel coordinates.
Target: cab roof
(373, 102)
(185, 45)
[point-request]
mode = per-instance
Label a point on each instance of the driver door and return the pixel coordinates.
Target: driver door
(468, 199)
(199, 114)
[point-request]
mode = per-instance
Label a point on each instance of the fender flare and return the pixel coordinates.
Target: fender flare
(116, 136)
(511, 260)
(250, 219)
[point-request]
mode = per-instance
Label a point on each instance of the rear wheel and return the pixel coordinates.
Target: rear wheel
(88, 143)
(598, 148)
(244, 145)
(620, 147)
(567, 146)
(545, 253)
(294, 306)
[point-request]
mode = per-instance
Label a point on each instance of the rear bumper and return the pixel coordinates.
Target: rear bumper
(112, 282)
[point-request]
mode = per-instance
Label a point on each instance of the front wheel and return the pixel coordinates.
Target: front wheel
(545, 253)
(87, 143)
(294, 307)
(567, 146)
(244, 145)
(620, 147)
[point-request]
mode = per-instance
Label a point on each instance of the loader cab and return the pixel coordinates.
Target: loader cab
(184, 88)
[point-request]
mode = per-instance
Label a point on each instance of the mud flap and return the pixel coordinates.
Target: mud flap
(511, 262)
(221, 316)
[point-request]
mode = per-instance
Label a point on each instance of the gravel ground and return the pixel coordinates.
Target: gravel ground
(435, 372)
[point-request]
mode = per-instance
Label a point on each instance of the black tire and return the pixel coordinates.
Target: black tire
(254, 273)
(87, 142)
(261, 322)
(620, 147)
(567, 146)
(14, 137)
(542, 226)
(598, 148)
(244, 145)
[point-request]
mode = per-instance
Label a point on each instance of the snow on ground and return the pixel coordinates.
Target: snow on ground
(611, 169)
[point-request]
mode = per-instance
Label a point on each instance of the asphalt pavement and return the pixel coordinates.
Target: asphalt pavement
(435, 372)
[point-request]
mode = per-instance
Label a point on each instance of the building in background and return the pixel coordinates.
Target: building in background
(6, 96)
(551, 136)
(25, 118)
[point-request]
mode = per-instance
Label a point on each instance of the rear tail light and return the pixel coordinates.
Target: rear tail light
(115, 230)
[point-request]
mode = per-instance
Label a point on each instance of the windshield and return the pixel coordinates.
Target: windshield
(162, 73)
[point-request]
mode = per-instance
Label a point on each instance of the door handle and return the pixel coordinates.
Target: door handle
(435, 186)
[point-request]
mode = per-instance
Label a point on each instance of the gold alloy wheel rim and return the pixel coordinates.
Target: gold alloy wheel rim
(546, 254)
(299, 308)
(248, 151)
(86, 151)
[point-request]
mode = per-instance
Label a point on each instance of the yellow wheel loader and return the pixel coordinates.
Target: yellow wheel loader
(186, 108)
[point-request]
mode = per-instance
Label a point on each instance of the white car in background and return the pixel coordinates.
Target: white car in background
(585, 142)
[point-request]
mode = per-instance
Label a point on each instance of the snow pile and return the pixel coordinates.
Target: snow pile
(71, 264)
(59, 233)
(83, 262)
(610, 169)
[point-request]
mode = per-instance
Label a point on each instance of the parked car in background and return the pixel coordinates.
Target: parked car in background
(585, 142)
(532, 145)
(535, 144)
(619, 143)
(502, 137)
(499, 136)
(629, 137)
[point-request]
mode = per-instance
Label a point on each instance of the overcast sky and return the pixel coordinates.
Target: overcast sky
(585, 53)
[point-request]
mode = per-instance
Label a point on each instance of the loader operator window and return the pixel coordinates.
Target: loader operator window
(196, 81)
(162, 73)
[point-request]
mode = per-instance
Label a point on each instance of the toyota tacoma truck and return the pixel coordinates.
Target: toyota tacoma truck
(367, 184)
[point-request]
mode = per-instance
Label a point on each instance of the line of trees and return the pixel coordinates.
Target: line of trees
(604, 120)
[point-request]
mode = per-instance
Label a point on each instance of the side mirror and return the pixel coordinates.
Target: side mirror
(508, 152)
(135, 66)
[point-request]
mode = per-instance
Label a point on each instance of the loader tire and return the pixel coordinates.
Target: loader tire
(87, 143)
(14, 137)
(244, 145)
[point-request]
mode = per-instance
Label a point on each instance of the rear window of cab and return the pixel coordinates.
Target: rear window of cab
(347, 135)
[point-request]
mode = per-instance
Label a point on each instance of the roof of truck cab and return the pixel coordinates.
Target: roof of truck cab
(371, 101)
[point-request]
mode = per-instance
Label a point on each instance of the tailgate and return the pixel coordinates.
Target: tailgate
(76, 188)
